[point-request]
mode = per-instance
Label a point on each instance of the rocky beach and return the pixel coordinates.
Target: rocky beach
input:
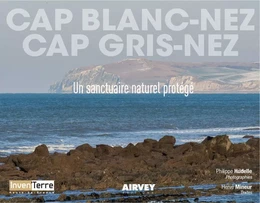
(160, 162)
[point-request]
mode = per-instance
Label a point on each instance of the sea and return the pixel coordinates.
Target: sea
(64, 121)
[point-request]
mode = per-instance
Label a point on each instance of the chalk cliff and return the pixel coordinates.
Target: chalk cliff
(96, 75)
(206, 77)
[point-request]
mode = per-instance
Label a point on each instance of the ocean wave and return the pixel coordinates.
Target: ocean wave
(190, 140)
(29, 149)
(211, 130)
(201, 132)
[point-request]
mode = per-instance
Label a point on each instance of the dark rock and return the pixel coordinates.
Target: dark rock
(249, 136)
(182, 149)
(166, 144)
(74, 152)
(167, 140)
(238, 149)
(73, 197)
(103, 150)
(149, 143)
(85, 147)
(117, 150)
(82, 154)
(254, 142)
(195, 158)
(219, 144)
(81, 197)
(41, 150)
(197, 154)
(62, 198)
(26, 162)
(252, 128)
(131, 151)
(95, 195)
(39, 199)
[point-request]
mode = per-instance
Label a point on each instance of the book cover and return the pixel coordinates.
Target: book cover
(129, 101)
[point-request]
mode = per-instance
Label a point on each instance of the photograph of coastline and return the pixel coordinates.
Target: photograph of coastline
(96, 142)
(186, 131)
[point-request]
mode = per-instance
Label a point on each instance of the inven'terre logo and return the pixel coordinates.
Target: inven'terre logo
(31, 186)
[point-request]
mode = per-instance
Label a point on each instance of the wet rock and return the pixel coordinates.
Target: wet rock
(94, 195)
(74, 152)
(81, 154)
(254, 142)
(6, 167)
(41, 150)
(194, 158)
(3, 159)
(38, 199)
(62, 198)
(73, 197)
(252, 128)
(25, 162)
(81, 197)
(167, 140)
(117, 150)
(238, 149)
(196, 199)
(149, 143)
(131, 151)
(103, 150)
(179, 151)
(219, 144)
(166, 144)
(85, 148)
(249, 136)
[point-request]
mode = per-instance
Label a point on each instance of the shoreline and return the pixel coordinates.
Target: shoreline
(155, 162)
(116, 138)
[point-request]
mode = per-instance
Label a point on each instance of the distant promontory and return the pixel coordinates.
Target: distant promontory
(206, 77)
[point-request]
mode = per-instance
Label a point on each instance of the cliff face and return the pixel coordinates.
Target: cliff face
(206, 77)
(96, 75)
(211, 86)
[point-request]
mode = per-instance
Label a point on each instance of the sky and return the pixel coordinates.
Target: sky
(21, 73)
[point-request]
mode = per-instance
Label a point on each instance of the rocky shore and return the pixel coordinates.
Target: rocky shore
(156, 162)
